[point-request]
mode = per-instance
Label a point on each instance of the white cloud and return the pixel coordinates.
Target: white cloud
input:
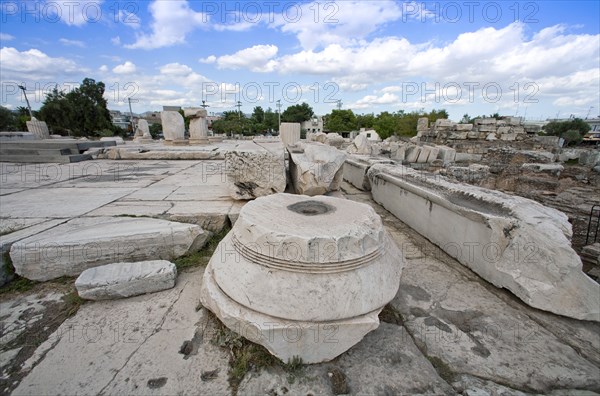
(72, 43)
(103, 68)
(6, 37)
(171, 22)
(175, 69)
(374, 100)
(116, 40)
(208, 59)
(126, 68)
(343, 22)
(256, 58)
(35, 64)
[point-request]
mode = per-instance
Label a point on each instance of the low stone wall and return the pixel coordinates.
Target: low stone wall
(512, 242)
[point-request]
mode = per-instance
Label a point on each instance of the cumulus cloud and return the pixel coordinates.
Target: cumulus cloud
(103, 68)
(256, 58)
(126, 68)
(171, 22)
(208, 59)
(35, 64)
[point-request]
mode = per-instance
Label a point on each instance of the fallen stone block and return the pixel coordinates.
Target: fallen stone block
(255, 170)
(316, 168)
(356, 168)
(446, 154)
(467, 157)
(423, 154)
(464, 127)
(510, 241)
(433, 154)
(69, 249)
(336, 140)
(550, 169)
(121, 280)
(412, 153)
(360, 145)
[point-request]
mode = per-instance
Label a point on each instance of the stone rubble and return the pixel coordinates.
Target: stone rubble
(121, 280)
(315, 168)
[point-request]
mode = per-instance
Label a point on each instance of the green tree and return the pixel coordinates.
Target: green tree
(8, 120)
(258, 115)
(572, 137)
(57, 111)
(297, 113)
(365, 120)
(340, 121)
(155, 129)
(271, 120)
(83, 110)
(560, 128)
(386, 124)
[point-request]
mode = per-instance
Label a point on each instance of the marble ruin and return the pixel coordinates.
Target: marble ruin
(289, 133)
(173, 127)
(198, 125)
(511, 242)
(142, 132)
(38, 128)
(315, 168)
(315, 263)
(255, 169)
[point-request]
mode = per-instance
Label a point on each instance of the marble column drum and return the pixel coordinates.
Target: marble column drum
(303, 276)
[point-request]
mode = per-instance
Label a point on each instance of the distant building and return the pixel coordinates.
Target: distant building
(119, 119)
(153, 117)
(371, 134)
(314, 125)
(594, 124)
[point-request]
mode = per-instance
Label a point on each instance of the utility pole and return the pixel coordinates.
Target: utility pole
(339, 104)
(239, 105)
(27, 100)
(204, 104)
(589, 111)
(279, 114)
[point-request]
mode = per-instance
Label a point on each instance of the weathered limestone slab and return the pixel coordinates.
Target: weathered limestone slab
(512, 242)
(424, 154)
(198, 124)
(433, 154)
(254, 171)
(343, 269)
(316, 170)
(38, 128)
(121, 280)
(412, 153)
(132, 346)
(142, 133)
(446, 154)
(289, 133)
(336, 140)
(355, 170)
(360, 145)
(82, 243)
(467, 157)
(464, 127)
(116, 139)
(422, 124)
(173, 127)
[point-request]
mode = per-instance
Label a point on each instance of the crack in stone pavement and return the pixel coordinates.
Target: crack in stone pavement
(156, 330)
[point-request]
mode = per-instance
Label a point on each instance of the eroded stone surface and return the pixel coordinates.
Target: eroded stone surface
(360, 145)
(119, 280)
(317, 170)
(289, 133)
(173, 125)
(255, 171)
(83, 243)
(514, 242)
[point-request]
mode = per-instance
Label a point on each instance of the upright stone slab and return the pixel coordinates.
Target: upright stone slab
(422, 124)
(87, 242)
(309, 264)
(142, 133)
(412, 153)
(360, 145)
(289, 133)
(255, 170)
(424, 154)
(38, 128)
(510, 241)
(316, 168)
(121, 280)
(198, 125)
(173, 127)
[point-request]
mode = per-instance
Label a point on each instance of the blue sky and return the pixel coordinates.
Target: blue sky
(533, 59)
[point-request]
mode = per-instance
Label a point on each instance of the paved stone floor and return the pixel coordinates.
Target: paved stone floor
(451, 332)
